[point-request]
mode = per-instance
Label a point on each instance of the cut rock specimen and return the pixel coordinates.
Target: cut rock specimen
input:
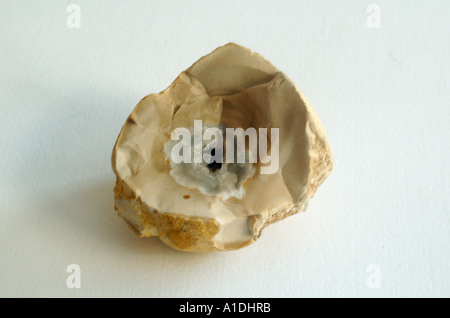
(213, 206)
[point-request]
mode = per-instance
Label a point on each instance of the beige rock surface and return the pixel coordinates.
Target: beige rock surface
(235, 87)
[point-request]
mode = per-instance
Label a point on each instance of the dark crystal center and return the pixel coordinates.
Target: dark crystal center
(213, 166)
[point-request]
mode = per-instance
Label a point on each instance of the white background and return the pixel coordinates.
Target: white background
(382, 95)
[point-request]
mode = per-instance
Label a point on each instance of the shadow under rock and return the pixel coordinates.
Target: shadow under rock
(89, 211)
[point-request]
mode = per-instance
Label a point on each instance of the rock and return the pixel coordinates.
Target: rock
(214, 206)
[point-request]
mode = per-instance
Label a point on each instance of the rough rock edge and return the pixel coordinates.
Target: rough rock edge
(320, 166)
(193, 234)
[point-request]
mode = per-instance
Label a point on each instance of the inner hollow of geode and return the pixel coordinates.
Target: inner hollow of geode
(213, 176)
